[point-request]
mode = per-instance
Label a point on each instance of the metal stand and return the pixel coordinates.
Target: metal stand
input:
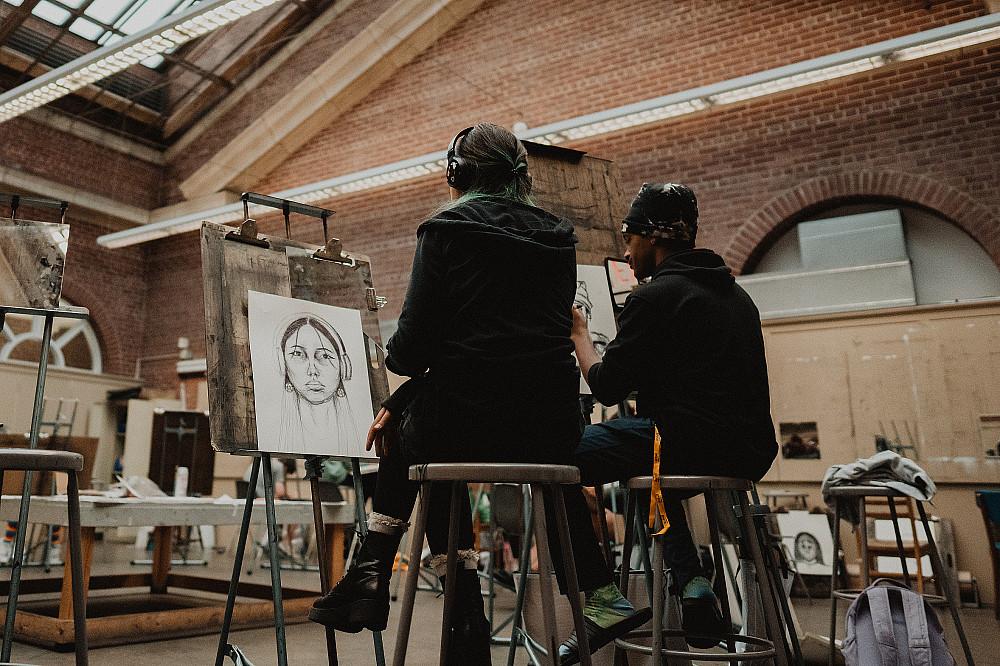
(362, 521)
(36, 418)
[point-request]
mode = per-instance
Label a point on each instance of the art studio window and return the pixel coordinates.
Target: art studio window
(74, 342)
(870, 255)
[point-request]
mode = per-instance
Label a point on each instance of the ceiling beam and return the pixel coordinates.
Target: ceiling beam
(388, 43)
(15, 18)
(247, 86)
(88, 131)
(108, 212)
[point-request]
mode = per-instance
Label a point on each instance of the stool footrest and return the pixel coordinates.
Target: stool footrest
(495, 473)
(765, 651)
(702, 483)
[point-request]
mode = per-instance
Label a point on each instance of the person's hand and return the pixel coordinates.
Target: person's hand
(377, 433)
(580, 328)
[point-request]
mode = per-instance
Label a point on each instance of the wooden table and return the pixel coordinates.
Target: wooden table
(156, 614)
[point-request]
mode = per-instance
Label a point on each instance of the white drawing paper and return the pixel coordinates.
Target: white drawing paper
(310, 379)
(808, 541)
(593, 296)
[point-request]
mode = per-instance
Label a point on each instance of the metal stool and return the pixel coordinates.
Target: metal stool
(544, 481)
(759, 648)
(36, 460)
(860, 493)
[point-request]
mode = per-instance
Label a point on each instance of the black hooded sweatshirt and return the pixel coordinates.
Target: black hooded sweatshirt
(690, 342)
(485, 326)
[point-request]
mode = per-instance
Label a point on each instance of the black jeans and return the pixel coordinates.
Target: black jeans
(623, 448)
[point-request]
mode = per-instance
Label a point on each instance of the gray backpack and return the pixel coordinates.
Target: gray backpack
(891, 625)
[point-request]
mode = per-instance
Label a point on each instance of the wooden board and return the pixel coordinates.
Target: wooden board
(14, 479)
(231, 269)
(32, 259)
(584, 190)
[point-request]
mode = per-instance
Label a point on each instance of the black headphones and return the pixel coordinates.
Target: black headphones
(459, 173)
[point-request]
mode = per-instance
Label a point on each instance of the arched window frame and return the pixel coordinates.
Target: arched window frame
(57, 359)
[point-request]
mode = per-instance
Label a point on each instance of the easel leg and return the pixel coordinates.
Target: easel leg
(272, 548)
(359, 508)
(15, 571)
(234, 581)
(323, 553)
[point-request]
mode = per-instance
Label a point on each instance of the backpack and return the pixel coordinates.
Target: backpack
(891, 625)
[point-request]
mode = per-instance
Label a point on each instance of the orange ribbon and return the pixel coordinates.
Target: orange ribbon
(656, 505)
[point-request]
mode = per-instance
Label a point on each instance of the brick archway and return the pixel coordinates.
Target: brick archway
(101, 321)
(781, 212)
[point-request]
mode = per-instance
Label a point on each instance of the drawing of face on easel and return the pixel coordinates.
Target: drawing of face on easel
(583, 301)
(305, 394)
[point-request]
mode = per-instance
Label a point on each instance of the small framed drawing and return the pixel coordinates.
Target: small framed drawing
(808, 541)
(307, 397)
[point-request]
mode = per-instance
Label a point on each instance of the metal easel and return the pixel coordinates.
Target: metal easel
(330, 252)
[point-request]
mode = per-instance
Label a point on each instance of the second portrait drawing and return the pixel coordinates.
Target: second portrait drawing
(311, 391)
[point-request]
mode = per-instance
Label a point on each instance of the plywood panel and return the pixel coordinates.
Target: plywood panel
(925, 375)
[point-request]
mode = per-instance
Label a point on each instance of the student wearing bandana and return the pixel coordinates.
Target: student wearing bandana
(690, 345)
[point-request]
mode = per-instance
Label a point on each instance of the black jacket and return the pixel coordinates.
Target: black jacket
(690, 342)
(486, 325)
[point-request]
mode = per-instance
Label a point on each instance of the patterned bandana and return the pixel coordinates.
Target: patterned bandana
(667, 210)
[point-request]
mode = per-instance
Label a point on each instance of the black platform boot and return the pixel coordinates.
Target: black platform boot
(361, 599)
(470, 630)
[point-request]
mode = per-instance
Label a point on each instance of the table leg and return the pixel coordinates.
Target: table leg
(334, 536)
(66, 598)
(162, 551)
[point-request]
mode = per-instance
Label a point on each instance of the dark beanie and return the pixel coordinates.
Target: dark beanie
(663, 210)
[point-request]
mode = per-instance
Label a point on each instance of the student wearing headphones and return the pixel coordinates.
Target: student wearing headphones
(484, 333)
(689, 342)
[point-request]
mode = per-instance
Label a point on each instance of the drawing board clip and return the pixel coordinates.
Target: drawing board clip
(374, 301)
(334, 251)
(247, 233)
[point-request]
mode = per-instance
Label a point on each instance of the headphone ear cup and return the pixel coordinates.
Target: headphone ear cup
(459, 173)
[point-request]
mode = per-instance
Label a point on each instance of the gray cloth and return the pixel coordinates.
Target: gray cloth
(886, 469)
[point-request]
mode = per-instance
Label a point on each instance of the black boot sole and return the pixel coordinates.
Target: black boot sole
(598, 637)
(702, 622)
(363, 614)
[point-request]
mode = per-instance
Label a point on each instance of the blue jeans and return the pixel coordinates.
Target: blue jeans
(621, 449)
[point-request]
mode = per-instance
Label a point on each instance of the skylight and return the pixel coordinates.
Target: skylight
(107, 21)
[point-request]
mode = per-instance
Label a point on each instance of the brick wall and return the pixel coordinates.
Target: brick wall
(923, 132)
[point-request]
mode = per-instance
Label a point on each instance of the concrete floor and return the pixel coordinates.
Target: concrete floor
(306, 646)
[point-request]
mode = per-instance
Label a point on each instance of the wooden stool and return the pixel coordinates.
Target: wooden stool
(759, 648)
(545, 482)
(860, 494)
(38, 460)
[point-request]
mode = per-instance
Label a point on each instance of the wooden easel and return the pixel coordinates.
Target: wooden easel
(235, 262)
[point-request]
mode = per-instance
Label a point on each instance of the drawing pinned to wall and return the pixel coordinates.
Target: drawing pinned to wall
(307, 397)
(799, 440)
(808, 540)
(593, 296)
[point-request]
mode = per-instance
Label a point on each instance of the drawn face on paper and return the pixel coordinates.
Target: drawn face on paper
(807, 548)
(314, 361)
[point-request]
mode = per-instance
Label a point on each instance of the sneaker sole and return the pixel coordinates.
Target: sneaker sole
(702, 622)
(598, 639)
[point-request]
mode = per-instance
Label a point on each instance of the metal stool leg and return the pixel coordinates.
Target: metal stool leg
(899, 541)
(524, 564)
(942, 580)
(866, 574)
(545, 575)
(76, 566)
(775, 626)
(833, 580)
(609, 556)
(450, 582)
(657, 597)
(626, 569)
(711, 507)
(569, 570)
(412, 576)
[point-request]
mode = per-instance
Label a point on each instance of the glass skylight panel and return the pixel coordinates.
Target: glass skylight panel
(145, 15)
(107, 11)
(52, 13)
(86, 29)
(14, 3)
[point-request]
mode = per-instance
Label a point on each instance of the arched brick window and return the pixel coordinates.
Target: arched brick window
(74, 342)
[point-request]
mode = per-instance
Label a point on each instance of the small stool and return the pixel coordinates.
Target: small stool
(860, 493)
(39, 460)
(545, 482)
(711, 487)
